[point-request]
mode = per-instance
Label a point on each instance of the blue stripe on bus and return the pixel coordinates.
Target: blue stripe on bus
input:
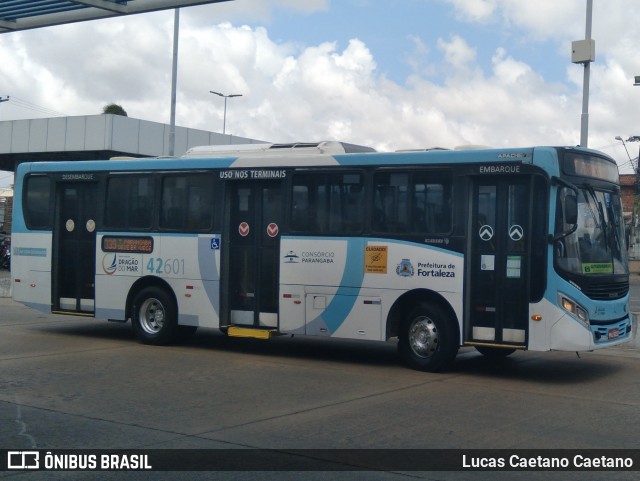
(30, 251)
(133, 165)
(345, 297)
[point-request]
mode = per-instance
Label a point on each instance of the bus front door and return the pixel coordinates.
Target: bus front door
(498, 269)
(74, 248)
(252, 253)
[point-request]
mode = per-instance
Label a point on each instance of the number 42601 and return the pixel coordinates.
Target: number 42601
(165, 266)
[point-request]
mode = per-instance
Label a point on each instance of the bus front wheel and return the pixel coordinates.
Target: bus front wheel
(427, 340)
(155, 316)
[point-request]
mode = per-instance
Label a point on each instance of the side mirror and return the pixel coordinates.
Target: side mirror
(571, 209)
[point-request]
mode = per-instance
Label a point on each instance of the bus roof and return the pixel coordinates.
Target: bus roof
(326, 147)
(309, 155)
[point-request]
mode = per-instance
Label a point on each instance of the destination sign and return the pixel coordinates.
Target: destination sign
(591, 166)
(137, 245)
(261, 174)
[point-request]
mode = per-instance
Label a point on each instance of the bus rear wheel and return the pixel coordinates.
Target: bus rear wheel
(155, 316)
(427, 340)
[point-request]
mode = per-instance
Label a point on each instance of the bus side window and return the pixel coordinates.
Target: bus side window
(199, 205)
(301, 216)
(141, 206)
(432, 205)
(172, 202)
(330, 203)
(391, 202)
(129, 203)
(412, 203)
(187, 202)
(346, 203)
(309, 212)
(116, 204)
(38, 202)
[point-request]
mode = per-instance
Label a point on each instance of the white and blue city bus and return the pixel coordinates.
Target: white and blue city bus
(501, 249)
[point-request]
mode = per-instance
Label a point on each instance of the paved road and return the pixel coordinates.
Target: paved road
(69, 382)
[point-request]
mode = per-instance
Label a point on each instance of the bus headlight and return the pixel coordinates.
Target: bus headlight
(575, 309)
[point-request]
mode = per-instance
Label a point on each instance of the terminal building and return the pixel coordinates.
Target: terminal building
(97, 137)
(92, 137)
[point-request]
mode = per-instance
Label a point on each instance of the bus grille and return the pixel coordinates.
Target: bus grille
(607, 291)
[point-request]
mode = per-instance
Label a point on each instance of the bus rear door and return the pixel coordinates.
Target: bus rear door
(499, 262)
(74, 248)
(252, 254)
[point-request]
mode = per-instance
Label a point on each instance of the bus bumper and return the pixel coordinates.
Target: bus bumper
(568, 334)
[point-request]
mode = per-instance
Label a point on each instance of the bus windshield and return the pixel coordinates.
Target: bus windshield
(595, 244)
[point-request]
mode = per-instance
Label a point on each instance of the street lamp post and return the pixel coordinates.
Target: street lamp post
(174, 82)
(584, 52)
(224, 118)
(635, 138)
(624, 145)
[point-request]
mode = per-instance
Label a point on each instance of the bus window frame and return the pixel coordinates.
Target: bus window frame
(440, 172)
(152, 176)
(26, 211)
(290, 200)
(217, 195)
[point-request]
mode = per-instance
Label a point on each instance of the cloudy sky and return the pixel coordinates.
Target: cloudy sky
(391, 74)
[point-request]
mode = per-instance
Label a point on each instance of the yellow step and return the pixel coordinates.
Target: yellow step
(237, 331)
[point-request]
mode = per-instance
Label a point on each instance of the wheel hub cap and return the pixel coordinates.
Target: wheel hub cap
(152, 316)
(423, 337)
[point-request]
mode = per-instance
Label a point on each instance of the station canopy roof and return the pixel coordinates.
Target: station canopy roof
(18, 15)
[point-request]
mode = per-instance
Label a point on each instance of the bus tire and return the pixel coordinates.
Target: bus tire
(428, 340)
(155, 316)
(494, 352)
